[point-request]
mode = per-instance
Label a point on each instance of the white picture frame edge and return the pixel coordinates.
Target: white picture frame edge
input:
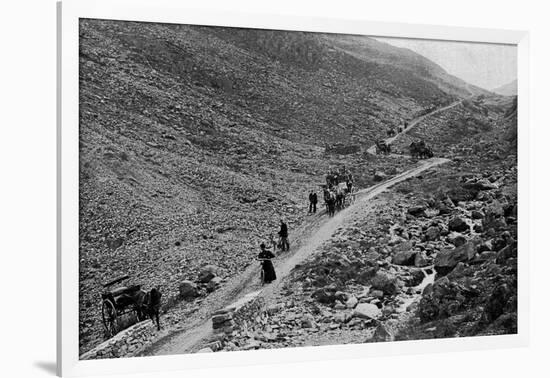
(168, 11)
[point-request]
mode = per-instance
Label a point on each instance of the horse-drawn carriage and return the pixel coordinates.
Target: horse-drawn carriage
(383, 147)
(127, 304)
(420, 150)
(338, 196)
(335, 178)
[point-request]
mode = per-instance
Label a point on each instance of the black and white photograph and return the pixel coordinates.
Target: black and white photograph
(245, 189)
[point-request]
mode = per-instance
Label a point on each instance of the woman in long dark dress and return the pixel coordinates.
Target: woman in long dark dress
(267, 266)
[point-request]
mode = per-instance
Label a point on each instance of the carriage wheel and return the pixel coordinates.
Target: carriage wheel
(109, 314)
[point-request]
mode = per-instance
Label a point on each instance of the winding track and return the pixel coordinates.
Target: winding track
(372, 150)
(306, 240)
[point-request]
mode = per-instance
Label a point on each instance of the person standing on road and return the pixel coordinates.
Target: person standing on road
(314, 201)
(265, 257)
(283, 234)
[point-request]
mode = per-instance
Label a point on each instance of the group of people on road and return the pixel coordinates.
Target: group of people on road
(335, 176)
(332, 189)
(335, 194)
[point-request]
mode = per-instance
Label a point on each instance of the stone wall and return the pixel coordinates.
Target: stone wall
(126, 343)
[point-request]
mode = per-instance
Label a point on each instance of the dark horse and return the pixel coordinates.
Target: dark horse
(340, 199)
(330, 201)
(149, 305)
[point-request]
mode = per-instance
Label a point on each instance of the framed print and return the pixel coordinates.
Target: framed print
(264, 188)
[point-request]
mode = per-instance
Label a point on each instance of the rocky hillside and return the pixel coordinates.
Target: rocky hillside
(195, 141)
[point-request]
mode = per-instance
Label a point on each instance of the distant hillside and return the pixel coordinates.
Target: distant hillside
(510, 89)
(371, 50)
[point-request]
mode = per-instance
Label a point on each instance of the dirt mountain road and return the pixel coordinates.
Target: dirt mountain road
(246, 286)
(372, 150)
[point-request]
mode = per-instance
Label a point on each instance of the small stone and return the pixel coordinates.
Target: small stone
(207, 273)
(213, 284)
(205, 350)
(458, 224)
(421, 259)
(456, 239)
(351, 302)
(339, 306)
(376, 293)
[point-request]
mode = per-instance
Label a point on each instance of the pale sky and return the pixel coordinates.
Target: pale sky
(486, 65)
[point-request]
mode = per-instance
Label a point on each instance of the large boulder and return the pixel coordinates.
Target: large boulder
(324, 295)
(207, 273)
(188, 290)
(421, 260)
(416, 277)
(445, 206)
(404, 258)
(487, 245)
(385, 282)
(463, 193)
(432, 233)
(497, 301)
(366, 275)
(403, 254)
(446, 260)
(404, 246)
(380, 176)
(494, 209)
(458, 224)
(495, 223)
(506, 253)
(367, 311)
(213, 284)
(440, 299)
(308, 321)
(376, 293)
(220, 320)
(351, 302)
(417, 211)
(383, 333)
(482, 184)
(476, 214)
(205, 350)
(459, 271)
(456, 239)
(486, 256)
(342, 317)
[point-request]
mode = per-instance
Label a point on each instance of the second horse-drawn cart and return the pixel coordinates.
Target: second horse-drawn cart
(119, 303)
